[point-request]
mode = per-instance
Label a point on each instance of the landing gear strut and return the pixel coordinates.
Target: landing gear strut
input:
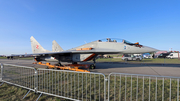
(93, 66)
(59, 63)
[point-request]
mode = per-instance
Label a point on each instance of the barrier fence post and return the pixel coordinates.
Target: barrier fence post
(106, 80)
(108, 85)
(1, 72)
(35, 81)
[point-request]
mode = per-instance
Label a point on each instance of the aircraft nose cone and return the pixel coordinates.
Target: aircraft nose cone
(149, 49)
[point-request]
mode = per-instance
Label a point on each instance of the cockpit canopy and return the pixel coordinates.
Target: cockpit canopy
(120, 41)
(110, 40)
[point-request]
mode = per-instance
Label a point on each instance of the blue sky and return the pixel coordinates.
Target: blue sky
(154, 23)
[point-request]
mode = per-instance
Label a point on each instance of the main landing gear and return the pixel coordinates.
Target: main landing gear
(93, 66)
(74, 66)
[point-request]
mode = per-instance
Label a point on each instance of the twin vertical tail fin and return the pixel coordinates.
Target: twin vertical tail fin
(56, 47)
(36, 47)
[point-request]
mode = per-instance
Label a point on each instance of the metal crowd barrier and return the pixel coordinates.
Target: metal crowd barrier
(21, 76)
(65, 84)
(72, 85)
(135, 87)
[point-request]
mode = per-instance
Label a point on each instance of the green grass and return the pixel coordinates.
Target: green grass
(3, 58)
(109, 60)
(14, 93)
(116, 55)
(28, 58)
(157, 60)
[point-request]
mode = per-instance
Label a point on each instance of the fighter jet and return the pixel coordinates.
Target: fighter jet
(88, 51)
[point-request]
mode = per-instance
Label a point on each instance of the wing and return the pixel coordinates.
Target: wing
(99, 51)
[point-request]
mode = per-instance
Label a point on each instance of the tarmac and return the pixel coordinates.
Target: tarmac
(109, 67)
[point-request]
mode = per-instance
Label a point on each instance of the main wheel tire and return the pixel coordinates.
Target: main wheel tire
(92, 67)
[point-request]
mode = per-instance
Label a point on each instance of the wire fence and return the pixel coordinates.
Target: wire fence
(135, 87)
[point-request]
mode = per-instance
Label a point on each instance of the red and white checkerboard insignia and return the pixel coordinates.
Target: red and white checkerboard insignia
(37, 46)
